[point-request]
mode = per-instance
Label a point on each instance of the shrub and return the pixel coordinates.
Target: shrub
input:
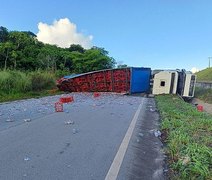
(42, 80)
(20, 82)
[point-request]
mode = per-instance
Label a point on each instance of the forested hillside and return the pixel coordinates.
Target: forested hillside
(22, 51)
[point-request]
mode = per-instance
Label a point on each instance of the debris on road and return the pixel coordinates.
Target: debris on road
(26, 159)
(9, 120)
(152, 110)
(74, 131)
(20, 111)
(67, 99)
(69, 122)
(27, 120)
(157, 133)
(141, 134)
(66, 111)
(96, 94)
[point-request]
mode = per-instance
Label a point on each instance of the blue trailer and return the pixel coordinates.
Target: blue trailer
(140, 80)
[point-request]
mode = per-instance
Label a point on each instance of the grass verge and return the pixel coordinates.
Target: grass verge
(187, 135)
(27, 95)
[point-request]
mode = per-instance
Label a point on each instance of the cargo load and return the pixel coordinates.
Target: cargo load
(123, 80)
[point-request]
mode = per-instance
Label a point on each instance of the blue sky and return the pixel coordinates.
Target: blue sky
(148, 33)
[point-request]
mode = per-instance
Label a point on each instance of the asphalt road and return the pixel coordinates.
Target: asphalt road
(80, 143)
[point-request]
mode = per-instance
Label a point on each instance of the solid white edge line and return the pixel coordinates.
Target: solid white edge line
(116, 164)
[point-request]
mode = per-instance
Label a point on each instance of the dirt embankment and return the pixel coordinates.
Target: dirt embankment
(206, 106)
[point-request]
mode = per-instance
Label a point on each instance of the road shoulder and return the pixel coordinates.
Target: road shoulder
(144, 158)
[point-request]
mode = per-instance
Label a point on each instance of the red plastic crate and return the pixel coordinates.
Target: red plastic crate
(58, 107)
(96, 94)
(200, 108)
(66, 99)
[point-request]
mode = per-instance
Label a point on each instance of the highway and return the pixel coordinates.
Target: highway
(108, 137)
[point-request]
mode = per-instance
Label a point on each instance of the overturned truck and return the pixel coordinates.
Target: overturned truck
(131, 80)
(179, 82)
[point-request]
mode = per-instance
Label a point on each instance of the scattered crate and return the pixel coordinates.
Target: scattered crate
(66, 99)
(96, 94)
(200, 108)
(58, 107)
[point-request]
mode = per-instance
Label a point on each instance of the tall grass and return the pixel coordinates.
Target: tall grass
(42, 80)
(187, 134)
(16, 83)
(204, 75)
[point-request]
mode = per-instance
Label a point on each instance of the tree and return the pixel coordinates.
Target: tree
(65, 61)
(93, 59)
(22, 51)
(5, 51)
(31, 34)
(78, 62)
(101, 50)
(3, 34)
(21, 39)
(48, 57)
(122, 66)
(76, 47)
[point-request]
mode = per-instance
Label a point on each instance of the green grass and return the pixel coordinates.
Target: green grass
(205, 75)
(187, 135)
(16, 85)
(204, 94)
(27, 95)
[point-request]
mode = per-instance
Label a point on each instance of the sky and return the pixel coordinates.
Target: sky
(160, 34)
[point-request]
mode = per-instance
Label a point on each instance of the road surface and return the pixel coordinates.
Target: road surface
(109, 137)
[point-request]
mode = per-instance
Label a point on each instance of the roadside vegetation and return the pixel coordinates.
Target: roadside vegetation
(204, 94)
(187, 135)
(18, 85)
(205, 75)
(201, 93)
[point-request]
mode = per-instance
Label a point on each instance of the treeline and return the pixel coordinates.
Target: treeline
(22, 51)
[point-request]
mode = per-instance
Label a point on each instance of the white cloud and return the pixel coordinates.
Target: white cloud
(62, 33)
(194, 70)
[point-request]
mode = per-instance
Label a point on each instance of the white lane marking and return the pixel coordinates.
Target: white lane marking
(116, 164)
